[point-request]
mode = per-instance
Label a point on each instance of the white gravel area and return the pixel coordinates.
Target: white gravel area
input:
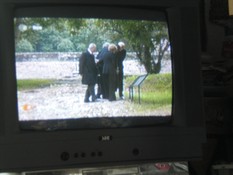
(62, 69)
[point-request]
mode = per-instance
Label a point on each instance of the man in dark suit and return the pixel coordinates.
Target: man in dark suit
(100, 82)
(121, 54)
(88, 70)
(109, 72)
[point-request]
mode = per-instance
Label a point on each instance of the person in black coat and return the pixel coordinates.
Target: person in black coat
(100, 89)
(121, 54)
(109, 72)
(88, 71)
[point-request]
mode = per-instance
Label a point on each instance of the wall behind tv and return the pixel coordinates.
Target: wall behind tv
(215, 34)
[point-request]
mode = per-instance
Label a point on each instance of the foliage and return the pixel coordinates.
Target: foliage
(24, 46)
(91, 33)
(48, 40)
(60, 24)
(52, 31)
(148, 39)
(65, 46)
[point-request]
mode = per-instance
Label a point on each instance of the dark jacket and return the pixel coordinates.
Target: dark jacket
(87, 68)
(100, 57)
(109, 63)
(102, 52)
(109, 68)
(120, 58)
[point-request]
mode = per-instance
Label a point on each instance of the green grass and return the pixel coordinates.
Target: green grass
(156, 92)
(25, 84)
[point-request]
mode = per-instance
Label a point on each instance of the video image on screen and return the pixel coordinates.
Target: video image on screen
(48, 54)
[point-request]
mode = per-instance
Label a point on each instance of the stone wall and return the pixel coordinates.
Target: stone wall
(46, 56)
(57, 56)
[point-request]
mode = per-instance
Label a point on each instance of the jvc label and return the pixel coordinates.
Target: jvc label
(105, 138)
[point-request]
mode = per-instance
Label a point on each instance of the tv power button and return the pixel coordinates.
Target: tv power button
(65, 156)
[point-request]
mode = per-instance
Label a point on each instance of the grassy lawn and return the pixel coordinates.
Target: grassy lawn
(25, 84)
(156, 92)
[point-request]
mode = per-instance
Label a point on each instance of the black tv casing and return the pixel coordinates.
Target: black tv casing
(179, 140)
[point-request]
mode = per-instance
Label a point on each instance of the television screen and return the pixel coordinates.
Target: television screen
(146, 110)
(50, 91)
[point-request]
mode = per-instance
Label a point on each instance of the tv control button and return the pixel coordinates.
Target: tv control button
(100, 153)
(135, 152)
(76, 155)
(65, 156)
(83, 155)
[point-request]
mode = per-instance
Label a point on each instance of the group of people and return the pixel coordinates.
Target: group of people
(106, 70)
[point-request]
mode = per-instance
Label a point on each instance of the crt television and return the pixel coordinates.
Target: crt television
(88, 140)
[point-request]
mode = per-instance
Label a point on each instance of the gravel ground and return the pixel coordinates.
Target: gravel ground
(65, 99)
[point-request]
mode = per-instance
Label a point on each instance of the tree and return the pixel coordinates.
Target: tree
(149, 39)
(90, 33)
(24, 46)
(32, 29)
(65, 46)
(48, 39)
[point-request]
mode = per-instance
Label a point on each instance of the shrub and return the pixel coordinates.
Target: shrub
(65, 46)
(24, 46)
